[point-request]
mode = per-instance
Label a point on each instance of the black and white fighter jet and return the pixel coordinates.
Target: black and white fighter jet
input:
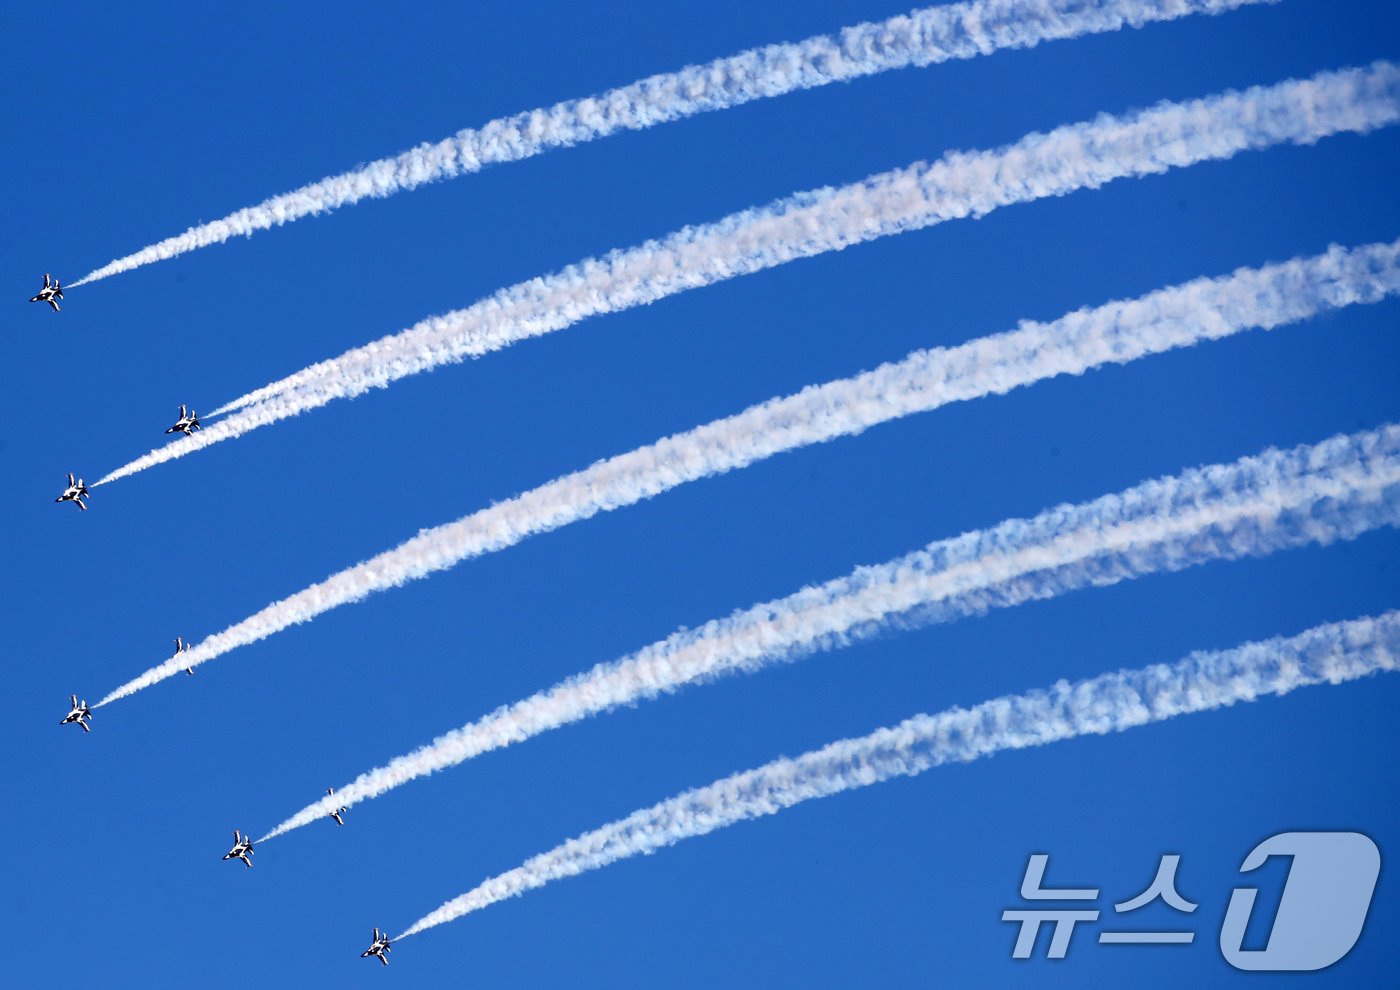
(50, 293)
(242, 849)
(338, 811)
(379, 947)
(186, 424)
(180, 647)
(80, 713)
(75, 492)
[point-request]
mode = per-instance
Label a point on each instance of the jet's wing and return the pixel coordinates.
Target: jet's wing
(54, 303)
(70, 479)
(75, 700)
(47, 280)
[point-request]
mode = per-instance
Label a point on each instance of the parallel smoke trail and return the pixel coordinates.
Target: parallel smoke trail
(921, 38)
(962, 184)
(1328, 654)
(1118, 332)
(1313, 494)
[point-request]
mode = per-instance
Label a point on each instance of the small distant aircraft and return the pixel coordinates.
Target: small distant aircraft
(80, 713)
(180, 647)
(242, 849)
(338, 811)
(50, 293)
(379, 947)
(75, 492)
(186, 424)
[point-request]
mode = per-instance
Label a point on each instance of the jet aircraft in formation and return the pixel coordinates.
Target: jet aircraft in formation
(75, 492)
(80, 713)
(186, 424)
(50, 293)
(180, 647)
(242, 849)
(379, 947)
(338, 811)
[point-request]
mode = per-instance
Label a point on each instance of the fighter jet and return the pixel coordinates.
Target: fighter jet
(242, 849)
(186, 424)
(50, 293)
(75, 492)
(338, 811)
(180, 647)
(80, 713)
(379, 947)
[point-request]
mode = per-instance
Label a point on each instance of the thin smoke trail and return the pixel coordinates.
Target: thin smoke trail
(1316, 494)
(1330, 654)
(1116, 332)
(962, 184)
(921, 38)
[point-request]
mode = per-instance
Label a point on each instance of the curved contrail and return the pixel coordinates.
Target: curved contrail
(962, 184)
(920, 38)
(1328, 654)
(1117, 332)
(1312, 494)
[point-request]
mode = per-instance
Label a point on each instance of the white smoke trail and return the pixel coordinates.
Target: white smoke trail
(1078, 156)
(1328, 654)
(1118, 332)
(920, 38)
(1315, 494)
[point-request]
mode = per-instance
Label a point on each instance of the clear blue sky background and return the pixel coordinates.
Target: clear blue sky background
(125, 124)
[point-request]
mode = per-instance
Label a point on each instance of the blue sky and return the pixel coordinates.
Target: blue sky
(130, 124)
